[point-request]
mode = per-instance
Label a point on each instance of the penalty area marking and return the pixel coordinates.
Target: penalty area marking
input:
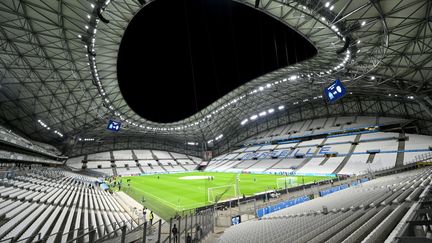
(172, 204)
(195, 177)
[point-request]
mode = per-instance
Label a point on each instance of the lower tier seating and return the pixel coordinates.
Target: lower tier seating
(57, 205)
(362, 212)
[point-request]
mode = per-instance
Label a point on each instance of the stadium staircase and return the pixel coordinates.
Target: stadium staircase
(157, 160)
(233, 164)
(114, 169)
(324, 161)
(162, 166)
(112, 158)
(277, 163)
(191, 160)
(154, 156)
(228, 164)
(370, 158)
(304, 162)
(271, 167)
(218, 166)
(178, 163)
(258, 160)
(285, 129)
(304, 124)
(139, 167)
(113, 165)
(308, 127)
(348, 156)
(135, 158)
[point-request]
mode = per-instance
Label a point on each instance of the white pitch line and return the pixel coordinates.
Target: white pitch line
(172, 205)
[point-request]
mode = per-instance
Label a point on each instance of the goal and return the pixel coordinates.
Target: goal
(286, 182)
(215, 194)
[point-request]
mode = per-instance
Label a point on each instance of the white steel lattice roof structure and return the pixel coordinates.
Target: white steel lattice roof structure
(58, 71)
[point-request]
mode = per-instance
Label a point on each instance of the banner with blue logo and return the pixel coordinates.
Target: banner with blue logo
(270, 209)
(333, 189)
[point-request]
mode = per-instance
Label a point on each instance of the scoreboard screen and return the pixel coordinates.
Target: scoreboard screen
(335, 91)
(113, 125)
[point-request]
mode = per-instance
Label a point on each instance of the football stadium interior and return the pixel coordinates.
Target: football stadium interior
(323, 135)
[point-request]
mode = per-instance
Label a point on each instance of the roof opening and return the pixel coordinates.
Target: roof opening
(178, 57)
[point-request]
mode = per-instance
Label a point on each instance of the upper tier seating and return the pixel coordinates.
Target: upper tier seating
(7, 136)
(99, 156)
(76, 162)
(340, 139)
(161, 154)
(123, 155)
(320, 126)
(357, 153)
(178, 156)
(145, 162)
(15, 156)
(416, 142)
(143, 154)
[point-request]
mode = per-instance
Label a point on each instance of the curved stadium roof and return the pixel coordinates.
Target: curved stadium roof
(58, 69)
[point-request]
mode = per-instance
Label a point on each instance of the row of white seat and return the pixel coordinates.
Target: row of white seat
(125, 155)
(386, 141)
(319, 126)
(372, 193)
(61, 205)
(12, 138)
(357, 212)
(149, 166)
(356, 163)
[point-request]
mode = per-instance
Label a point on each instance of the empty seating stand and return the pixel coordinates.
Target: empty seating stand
(366, 213)
(57, 206)
(349, 154)
(149, 162)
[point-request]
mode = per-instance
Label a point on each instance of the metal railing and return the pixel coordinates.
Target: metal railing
(195, 227)
(422, 158)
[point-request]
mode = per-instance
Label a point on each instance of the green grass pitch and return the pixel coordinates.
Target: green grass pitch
(169, 193)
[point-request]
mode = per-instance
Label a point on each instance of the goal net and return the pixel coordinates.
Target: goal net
(286, 182)
(218, 193)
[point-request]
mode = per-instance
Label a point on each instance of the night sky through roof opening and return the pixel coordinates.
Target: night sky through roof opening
(179, 56)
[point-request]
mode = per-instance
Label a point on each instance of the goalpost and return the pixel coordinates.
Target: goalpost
(286, 182)
(218, 193)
